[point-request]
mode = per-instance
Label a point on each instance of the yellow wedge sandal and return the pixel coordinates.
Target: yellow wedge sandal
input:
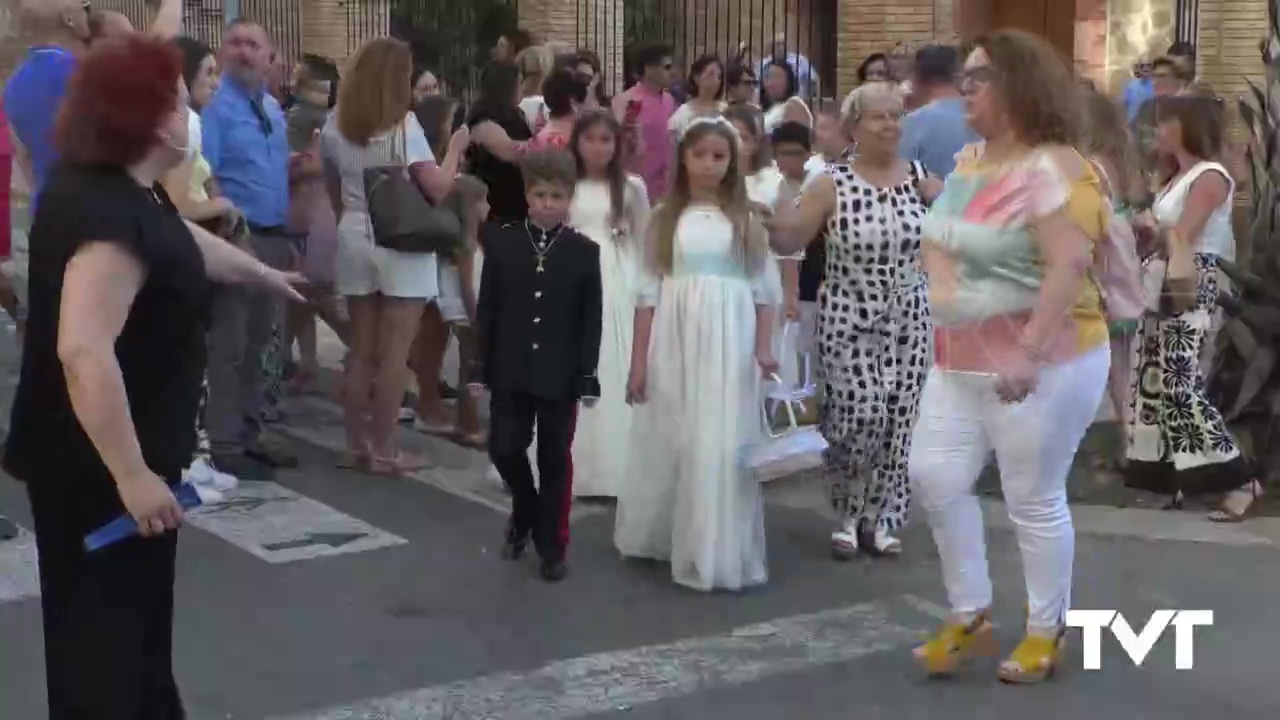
(1034, 660)
(956, 642)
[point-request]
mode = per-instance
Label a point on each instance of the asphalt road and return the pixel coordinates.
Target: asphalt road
(333, 595)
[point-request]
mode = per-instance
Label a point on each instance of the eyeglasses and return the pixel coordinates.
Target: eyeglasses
(977, 76)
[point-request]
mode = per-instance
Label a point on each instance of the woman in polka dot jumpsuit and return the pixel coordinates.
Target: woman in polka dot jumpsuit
(873, 320)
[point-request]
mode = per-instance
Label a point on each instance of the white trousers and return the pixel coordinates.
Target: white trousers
(961, 422)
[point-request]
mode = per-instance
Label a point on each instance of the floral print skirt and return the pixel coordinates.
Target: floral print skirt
(1177, 440)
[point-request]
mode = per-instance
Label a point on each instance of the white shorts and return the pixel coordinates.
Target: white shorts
(363, 268)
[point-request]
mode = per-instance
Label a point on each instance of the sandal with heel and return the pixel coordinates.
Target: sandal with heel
(1226, 514)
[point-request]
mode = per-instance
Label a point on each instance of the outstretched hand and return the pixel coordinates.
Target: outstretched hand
(284, 284)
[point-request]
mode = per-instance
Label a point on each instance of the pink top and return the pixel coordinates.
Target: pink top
(550, 139)
(652, 159)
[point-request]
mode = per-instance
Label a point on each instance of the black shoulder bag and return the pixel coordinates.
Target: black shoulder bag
(401, 217)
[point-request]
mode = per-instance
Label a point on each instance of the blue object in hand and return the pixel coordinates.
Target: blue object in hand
(125, 526)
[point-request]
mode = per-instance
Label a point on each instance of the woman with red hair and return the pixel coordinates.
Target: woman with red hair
(104, 414)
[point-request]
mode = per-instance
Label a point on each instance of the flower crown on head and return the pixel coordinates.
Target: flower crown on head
(714, 120)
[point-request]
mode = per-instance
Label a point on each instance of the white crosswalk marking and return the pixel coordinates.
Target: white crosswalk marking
(280, 526)
(614, 681)
(19, 573)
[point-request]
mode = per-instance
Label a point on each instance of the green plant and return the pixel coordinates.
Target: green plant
(1245, 380)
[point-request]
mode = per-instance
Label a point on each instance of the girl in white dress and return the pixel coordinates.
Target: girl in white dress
(702, 326)
(611, 208)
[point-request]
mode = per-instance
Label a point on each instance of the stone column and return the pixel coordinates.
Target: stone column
(1135, 29)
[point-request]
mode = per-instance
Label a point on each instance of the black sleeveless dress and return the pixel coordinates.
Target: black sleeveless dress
(108, 659)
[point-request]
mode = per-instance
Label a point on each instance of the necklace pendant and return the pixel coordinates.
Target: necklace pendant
(540, 269)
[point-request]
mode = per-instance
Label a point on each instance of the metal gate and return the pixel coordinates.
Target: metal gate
(451, 38)
(1187, 22)
(755, 30)
(282, 19)
(203, 21)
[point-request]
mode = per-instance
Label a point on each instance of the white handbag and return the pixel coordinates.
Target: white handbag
(788, 451)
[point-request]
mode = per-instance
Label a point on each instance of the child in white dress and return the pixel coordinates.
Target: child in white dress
(702, 340)
(611, 208)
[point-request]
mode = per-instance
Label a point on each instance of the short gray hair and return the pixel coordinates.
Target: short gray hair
(867, 96)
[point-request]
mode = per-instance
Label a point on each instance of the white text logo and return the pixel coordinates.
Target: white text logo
(1138, 645)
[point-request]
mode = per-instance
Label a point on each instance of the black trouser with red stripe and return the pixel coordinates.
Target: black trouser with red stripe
(542, 510)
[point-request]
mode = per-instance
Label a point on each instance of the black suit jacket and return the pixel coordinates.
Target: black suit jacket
(538, 332)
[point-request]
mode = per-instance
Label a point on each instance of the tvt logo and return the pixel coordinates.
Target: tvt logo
(1138, 645)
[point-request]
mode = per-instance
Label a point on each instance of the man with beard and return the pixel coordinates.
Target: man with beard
(246, 144)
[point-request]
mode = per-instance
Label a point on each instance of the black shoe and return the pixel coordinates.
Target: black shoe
(553, 570)
(447, 392)
(515, 543)
(242, 466)
(270, 454)
(8, 530)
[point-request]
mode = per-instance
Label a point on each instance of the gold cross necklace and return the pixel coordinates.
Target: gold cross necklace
(542, 248)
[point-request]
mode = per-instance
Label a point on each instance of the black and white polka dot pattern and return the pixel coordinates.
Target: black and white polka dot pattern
(874, 344)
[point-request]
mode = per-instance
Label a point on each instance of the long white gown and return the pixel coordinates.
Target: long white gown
(602, 440)
(687, 499)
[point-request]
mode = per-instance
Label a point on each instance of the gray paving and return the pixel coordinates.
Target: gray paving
(438, 627)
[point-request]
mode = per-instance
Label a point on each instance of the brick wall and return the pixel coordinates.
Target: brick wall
(1228, 55)
(325, 25)
(868, 26)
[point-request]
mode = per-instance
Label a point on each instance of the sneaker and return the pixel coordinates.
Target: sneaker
(208, 496)
(202, 473)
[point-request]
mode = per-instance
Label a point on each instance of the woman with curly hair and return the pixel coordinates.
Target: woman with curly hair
(1021, 351)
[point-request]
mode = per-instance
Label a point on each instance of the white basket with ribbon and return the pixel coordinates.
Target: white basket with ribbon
(792, 449)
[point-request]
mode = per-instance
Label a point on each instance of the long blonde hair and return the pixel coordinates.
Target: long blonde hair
(375, 94)
(751, 240)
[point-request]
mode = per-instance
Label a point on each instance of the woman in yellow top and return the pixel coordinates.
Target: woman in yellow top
(1021, 345)
(191, 187)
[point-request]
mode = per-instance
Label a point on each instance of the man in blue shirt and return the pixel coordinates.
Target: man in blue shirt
(246, 145)
(1139, 90)
(59, 29)
(933, 133)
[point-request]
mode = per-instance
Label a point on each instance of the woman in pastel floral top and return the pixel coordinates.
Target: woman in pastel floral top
(1021, 346)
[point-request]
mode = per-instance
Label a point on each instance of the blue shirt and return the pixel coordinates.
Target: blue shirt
(1137, 92)
(249, 152)
(31, 101)
(933, 134)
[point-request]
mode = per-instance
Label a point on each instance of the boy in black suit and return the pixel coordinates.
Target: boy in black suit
(538, 342)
